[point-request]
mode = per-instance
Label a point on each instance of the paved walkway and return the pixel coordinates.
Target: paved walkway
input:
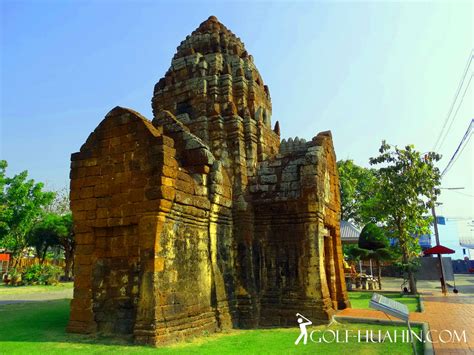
(453, 312)
(35, 297)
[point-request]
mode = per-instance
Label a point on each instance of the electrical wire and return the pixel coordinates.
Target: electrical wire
(463, 193)
(462, 149)
(471, 55)
(455, 114)
(466, 136)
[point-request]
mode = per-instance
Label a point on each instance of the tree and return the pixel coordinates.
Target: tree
(406, 189)
(44, 235)
(351, 253)
(60, 207)
(54, 230)
(373, 244)
(357, 192)
(22, 203)
(60, 204)
(67, 243)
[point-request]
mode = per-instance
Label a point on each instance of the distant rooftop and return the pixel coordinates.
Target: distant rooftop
(349, 233)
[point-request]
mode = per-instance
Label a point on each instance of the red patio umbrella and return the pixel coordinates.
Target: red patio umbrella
(439, 249)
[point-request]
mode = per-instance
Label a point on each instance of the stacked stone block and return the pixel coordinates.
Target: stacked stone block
(200, 220)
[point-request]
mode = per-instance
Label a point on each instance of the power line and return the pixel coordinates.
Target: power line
(466, 135)
(455, 99)
(462, 149)
(455, 113)
(463, 193)
(435, 148)
(459, 192)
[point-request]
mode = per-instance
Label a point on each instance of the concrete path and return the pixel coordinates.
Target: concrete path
(453, 312)
(465, 284)
(35, 297)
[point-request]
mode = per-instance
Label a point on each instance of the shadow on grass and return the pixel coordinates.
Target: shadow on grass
(42, 321)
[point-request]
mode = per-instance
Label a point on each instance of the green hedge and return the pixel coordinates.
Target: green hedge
(35, 275)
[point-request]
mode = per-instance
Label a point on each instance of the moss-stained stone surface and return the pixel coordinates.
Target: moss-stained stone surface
(201, 219)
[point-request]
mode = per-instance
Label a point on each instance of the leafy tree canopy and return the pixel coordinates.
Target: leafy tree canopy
(407, 186)
(357, 192)
(22, 202)
(373, 237)
(48, 232)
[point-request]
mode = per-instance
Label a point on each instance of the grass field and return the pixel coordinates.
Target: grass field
(360, 300)
(22, 290)
(39, 327)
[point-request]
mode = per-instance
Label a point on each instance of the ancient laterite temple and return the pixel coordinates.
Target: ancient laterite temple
(203, 219)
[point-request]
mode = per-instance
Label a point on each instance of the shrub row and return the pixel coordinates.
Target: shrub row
(34, 275)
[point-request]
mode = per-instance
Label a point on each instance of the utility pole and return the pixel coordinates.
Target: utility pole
(435, 224)
(440, 260)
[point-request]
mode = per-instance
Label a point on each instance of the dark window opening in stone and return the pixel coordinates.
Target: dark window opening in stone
(257, 261)
(184, 107)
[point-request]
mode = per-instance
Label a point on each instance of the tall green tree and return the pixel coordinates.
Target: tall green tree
(357, 186)
(407, 184)
(22, 203)
(374, 245)
(65, 238)
(54, 230)
(45, 234)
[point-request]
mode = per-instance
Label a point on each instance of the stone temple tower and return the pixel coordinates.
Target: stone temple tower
(202, 219)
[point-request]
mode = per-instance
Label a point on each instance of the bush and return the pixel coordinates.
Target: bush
(373, 237)
(13, 277)
(41, 275)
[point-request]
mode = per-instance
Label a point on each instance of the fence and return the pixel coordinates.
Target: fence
(23, 263)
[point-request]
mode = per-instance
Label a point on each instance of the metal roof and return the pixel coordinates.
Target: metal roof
(349, 232)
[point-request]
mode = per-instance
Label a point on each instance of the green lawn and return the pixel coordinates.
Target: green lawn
(360, 300)
(22, 290)
(39, 327)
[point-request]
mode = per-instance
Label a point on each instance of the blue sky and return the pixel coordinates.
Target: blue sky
(365, 70)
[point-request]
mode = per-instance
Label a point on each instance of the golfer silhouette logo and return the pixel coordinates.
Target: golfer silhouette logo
(303, 325)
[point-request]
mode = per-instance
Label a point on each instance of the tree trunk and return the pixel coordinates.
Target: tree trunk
(379, 268)
(69, 259)
(411, 274)
(405, 257)
(15, 261)
(16, 257)
(67, 269)
(43, 256)
(412, 282)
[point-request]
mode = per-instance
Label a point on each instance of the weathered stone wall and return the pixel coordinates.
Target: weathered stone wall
(293, 145)
(210, 70)
(214, 88)
(296, 199)
(200, 220)
(151, 233)
(111, 184)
